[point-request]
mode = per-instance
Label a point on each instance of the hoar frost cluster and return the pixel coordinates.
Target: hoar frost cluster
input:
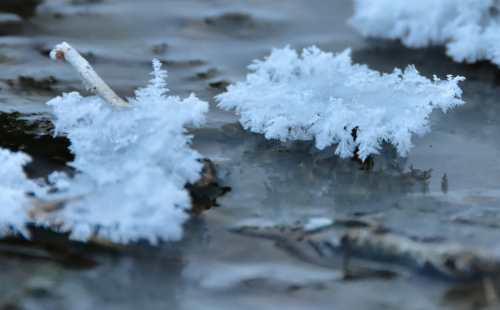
(13, 186)
(469, 28)
(324, 97)
(132, 165)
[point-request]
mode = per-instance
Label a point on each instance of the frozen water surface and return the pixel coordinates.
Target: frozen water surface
(204, 45)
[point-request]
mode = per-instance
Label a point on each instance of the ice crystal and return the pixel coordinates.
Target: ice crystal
(324, 97)
(13, 187)
(469, 28)
(133, 164)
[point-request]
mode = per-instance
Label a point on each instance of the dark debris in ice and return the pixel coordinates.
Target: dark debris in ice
(48, 245)
(23, 8)
(18, 133)
(230, 20)
(205, 191)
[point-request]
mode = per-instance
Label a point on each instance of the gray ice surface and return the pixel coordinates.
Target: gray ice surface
(204, 44)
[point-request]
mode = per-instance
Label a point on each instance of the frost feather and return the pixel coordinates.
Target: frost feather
(325, 97)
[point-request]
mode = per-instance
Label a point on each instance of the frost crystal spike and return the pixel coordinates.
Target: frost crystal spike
(324, 97)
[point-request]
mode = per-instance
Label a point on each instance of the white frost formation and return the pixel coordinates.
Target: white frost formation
(134, 163)
(324, 97)
(469, 28)
(13, 187)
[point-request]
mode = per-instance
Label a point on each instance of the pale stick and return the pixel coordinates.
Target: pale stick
(90, 79)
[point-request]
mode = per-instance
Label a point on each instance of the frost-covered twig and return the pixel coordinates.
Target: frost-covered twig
(90, 79)
(324, 97)
(132, 163)
(469, 28)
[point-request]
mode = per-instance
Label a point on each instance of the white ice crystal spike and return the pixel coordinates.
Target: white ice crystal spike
(324, 97)
(132, 163)
(469, 28)
(157, 88)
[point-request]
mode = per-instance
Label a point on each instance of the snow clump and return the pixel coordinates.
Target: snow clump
(324, 97)
(469, 28)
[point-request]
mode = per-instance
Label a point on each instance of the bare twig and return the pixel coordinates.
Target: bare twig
(91, 80)
(43, 207)
(367, 245)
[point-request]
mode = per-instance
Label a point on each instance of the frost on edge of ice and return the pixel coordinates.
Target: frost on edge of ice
(469, 28)
(13, 187)
(324, 97)
(133, 164)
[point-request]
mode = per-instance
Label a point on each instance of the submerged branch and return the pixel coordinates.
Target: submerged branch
(358, 244)
(91, 80)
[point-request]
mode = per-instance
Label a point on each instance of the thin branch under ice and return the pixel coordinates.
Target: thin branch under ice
(324, 97)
